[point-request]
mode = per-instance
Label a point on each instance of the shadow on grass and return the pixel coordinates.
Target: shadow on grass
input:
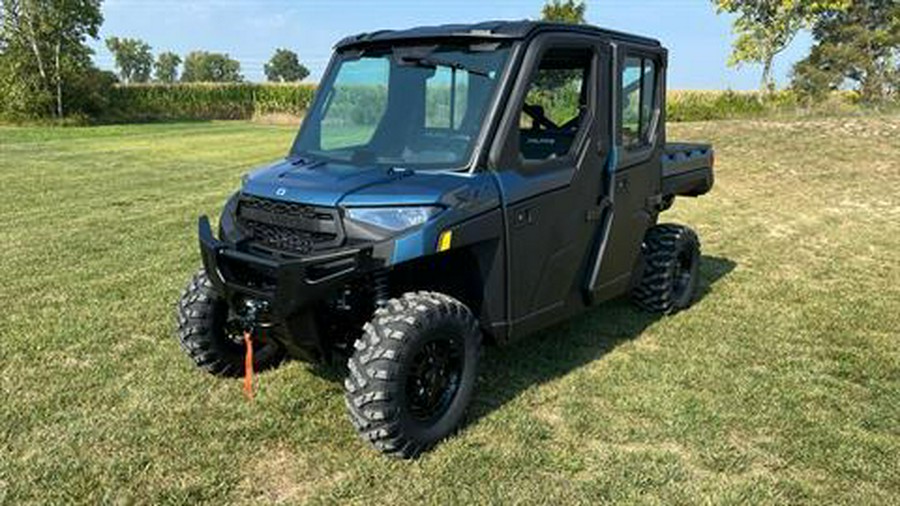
(507, 371)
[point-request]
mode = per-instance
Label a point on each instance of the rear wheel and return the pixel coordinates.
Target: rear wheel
(412, 373)
(671, 269)
(211, 336)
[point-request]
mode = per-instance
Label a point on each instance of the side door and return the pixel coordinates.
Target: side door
(550, 168)
(640, 140)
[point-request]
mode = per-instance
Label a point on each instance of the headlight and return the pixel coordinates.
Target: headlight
(394, 219)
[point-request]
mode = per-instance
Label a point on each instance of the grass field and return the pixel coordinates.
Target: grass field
(781, 385)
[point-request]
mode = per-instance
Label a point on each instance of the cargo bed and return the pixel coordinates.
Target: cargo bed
(687, 169)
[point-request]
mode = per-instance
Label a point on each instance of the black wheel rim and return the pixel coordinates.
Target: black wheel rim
(434, 378)
(684, 267)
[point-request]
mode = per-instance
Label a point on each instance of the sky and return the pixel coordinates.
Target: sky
(250, 30)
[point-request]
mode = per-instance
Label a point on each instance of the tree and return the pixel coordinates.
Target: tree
(765, 28)
(558, 11)
(43, 49)
(564, 11)
(285, 67)
(133, 58)
(859, 44)
(203, 66)
(166, 67)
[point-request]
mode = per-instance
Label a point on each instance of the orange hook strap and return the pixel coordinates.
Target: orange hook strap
(248, 366)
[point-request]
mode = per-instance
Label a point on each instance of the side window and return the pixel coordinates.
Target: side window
(648, 99)
(357, 104)
(556, 104)
(638, 103)
(446, 98)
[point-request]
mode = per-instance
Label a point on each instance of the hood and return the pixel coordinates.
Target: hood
(332, 184)
(315, 183)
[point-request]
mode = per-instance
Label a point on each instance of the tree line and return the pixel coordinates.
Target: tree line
(856, 43)
(46, 67)
(135, 63)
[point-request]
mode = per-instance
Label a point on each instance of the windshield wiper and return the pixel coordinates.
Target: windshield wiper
(428, 61)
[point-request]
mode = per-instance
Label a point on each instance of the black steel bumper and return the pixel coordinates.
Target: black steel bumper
(291, 285)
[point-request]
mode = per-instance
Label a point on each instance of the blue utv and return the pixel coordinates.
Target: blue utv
(449, 186)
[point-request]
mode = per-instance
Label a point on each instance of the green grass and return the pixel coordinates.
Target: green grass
(781, 385)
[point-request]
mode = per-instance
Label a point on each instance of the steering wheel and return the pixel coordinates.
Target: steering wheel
(536, 113)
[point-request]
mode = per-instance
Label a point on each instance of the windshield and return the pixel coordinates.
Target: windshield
(411, 107)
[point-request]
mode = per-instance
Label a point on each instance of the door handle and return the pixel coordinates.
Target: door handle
(596, 214)
(522, 217)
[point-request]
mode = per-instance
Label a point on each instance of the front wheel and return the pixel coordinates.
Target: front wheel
(210, 335)
(412, 373)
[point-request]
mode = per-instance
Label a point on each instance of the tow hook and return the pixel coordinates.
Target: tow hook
(253, 315)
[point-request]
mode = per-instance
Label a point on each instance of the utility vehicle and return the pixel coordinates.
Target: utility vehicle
(449, 186)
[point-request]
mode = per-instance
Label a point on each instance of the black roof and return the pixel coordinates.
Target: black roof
(496, 30)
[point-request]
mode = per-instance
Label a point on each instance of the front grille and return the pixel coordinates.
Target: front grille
(288, 226)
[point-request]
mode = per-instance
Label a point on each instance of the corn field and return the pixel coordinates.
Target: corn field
(209, 101)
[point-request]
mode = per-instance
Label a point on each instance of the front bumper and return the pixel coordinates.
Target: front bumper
(291, 285)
